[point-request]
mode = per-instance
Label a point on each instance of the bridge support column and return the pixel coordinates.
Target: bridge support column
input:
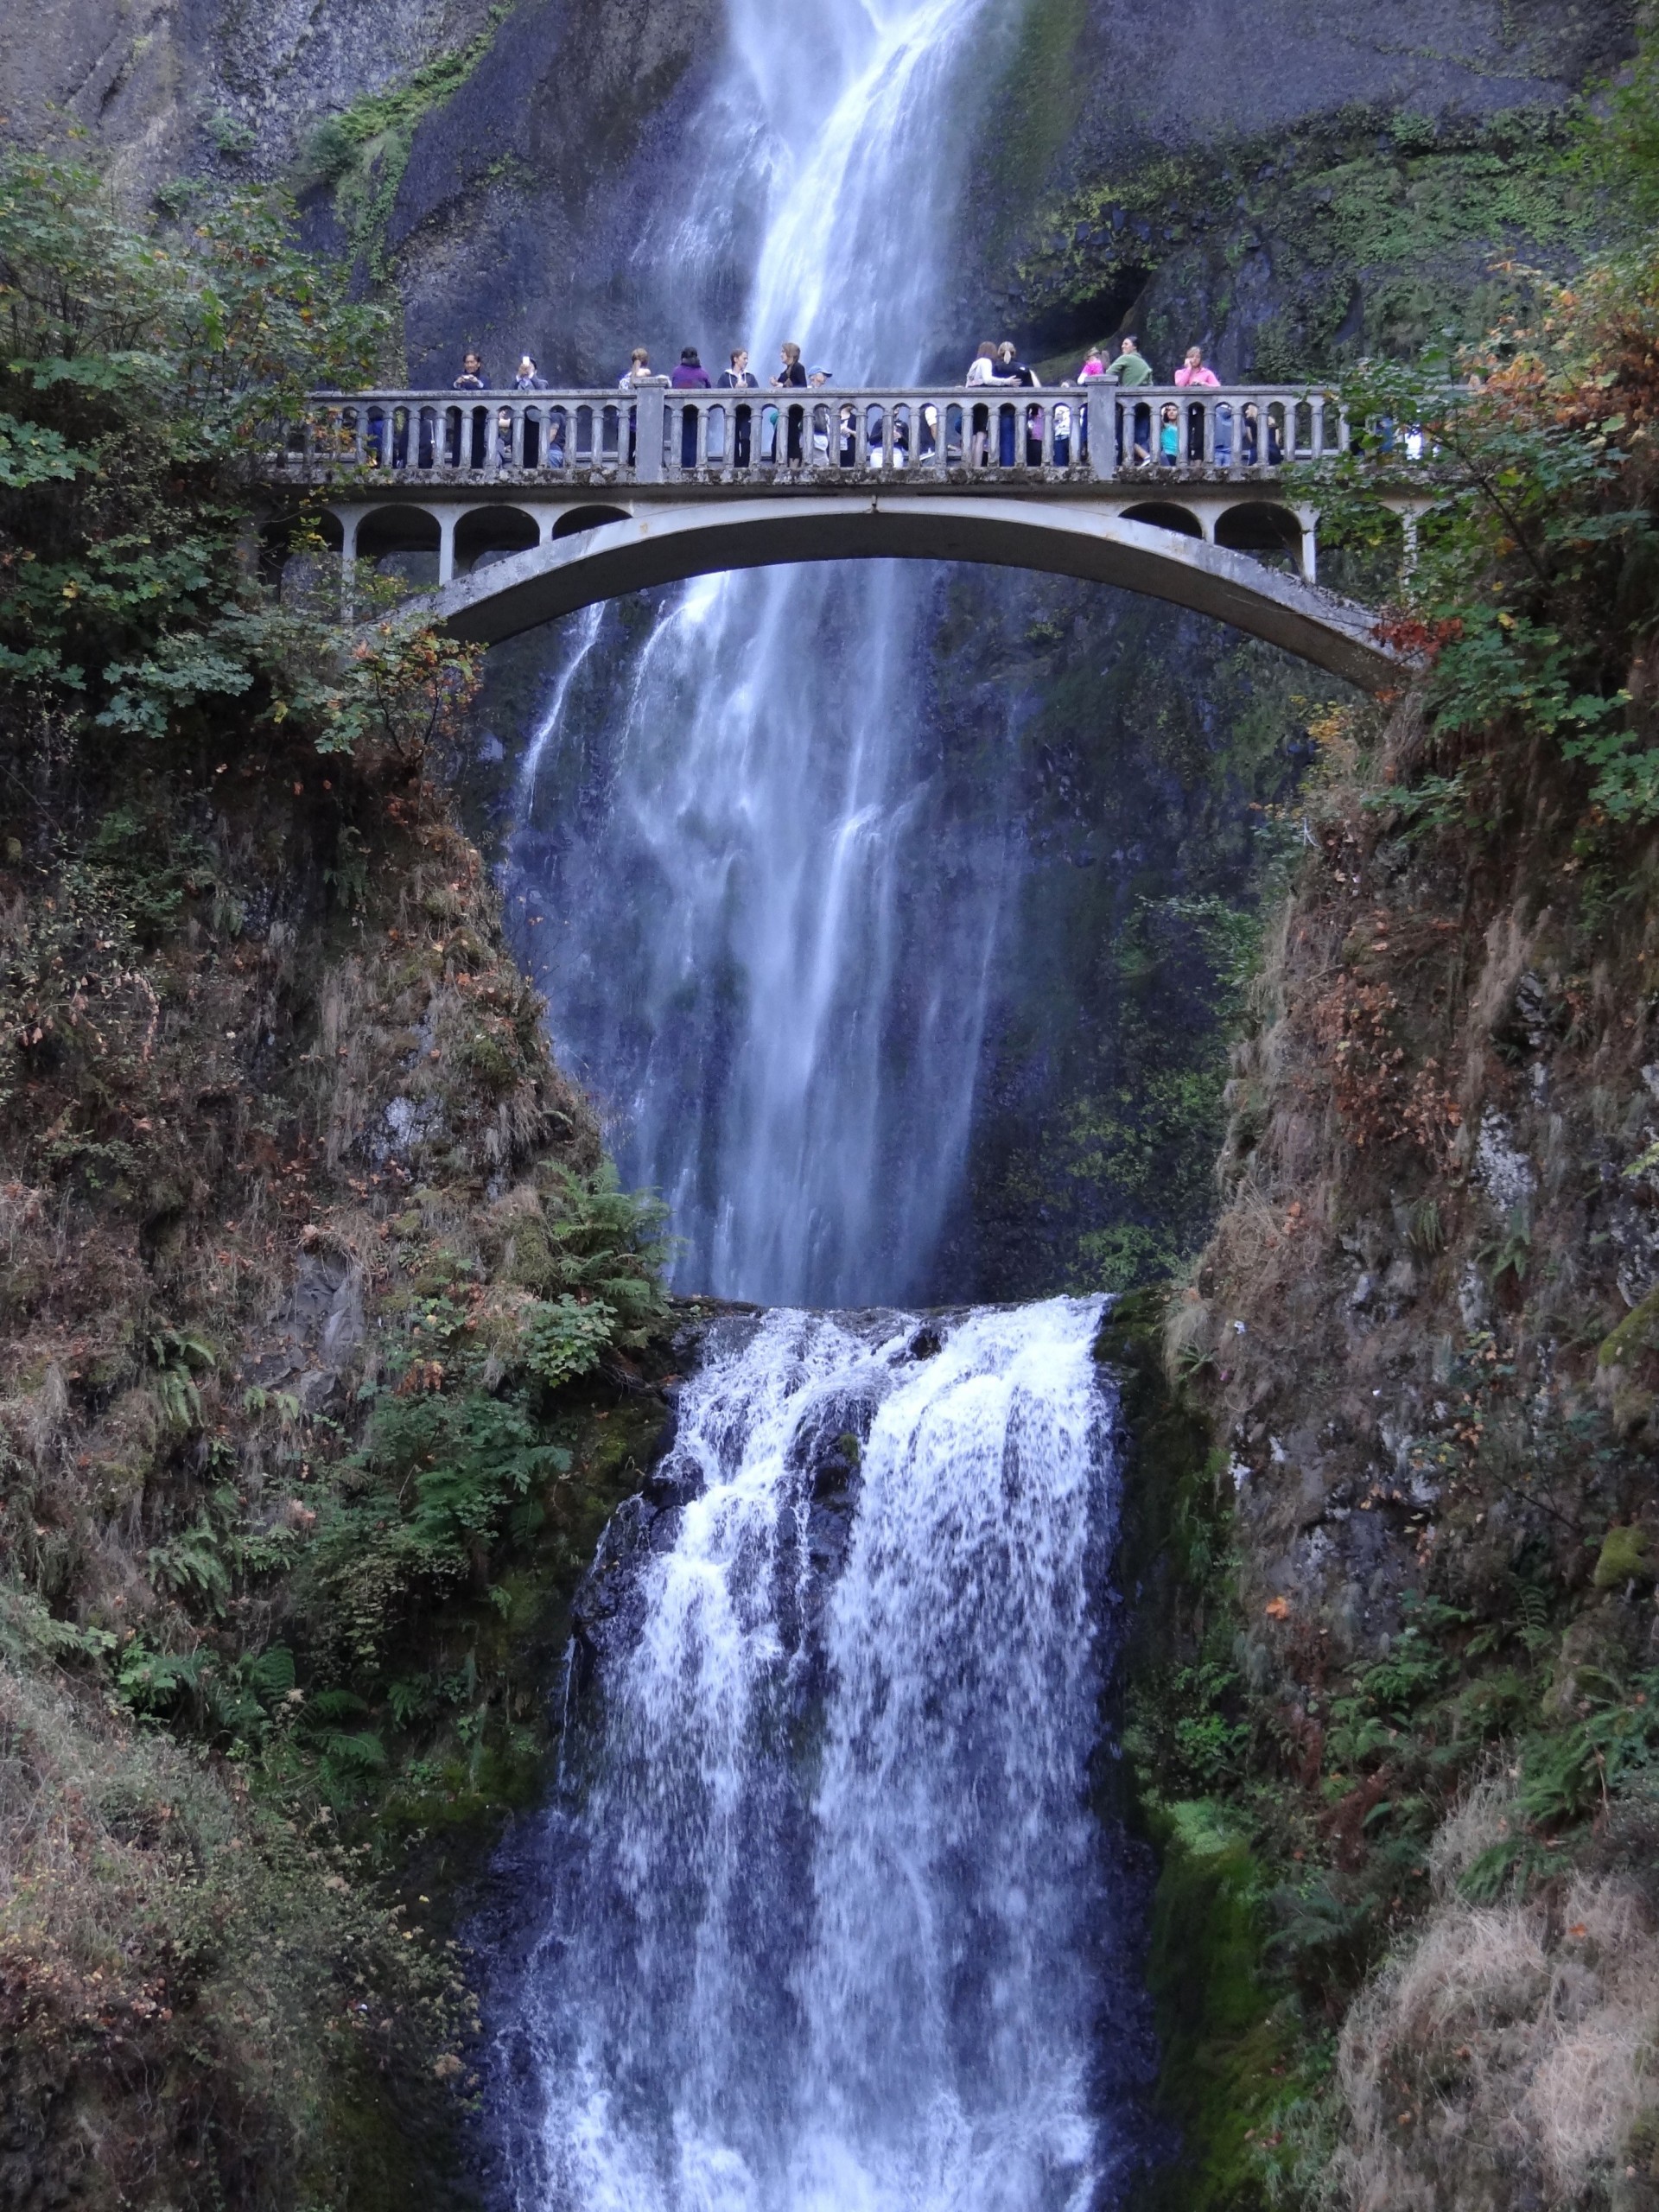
(447, 518)
(348, 518)
(1309, 519)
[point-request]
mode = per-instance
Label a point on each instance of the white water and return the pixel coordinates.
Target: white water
(820, 1919)
(822, 1907)
(765, 942)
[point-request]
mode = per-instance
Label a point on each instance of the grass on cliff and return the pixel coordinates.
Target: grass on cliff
(1403, 1721)
(324, 1327)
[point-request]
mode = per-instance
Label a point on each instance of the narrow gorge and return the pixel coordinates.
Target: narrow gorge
(835, 1391)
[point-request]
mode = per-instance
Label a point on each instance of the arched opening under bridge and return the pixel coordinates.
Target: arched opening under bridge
(666, 544)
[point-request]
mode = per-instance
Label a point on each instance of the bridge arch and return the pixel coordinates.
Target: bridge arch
(410, 536)
(668, 543)
(1165, 514)
(492, 533)
(575, 520)
(1258, 526)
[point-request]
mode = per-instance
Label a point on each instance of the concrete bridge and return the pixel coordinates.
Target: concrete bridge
(530, 505)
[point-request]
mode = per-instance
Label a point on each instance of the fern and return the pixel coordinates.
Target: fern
(194, 1564)
(610, 1244)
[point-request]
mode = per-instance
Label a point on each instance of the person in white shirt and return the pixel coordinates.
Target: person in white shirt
(983, 370)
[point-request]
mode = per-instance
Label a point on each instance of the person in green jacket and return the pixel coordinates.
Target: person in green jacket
(1130, 369)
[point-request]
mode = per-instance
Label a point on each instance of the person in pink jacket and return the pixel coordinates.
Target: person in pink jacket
(1192, 370)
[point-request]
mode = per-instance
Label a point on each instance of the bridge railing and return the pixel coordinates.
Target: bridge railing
(652, 434)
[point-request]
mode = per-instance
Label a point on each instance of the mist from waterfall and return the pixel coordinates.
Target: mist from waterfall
(764, 937)
(821, 1920)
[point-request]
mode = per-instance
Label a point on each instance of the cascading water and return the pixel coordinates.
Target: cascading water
(764, 937)
(820, 1918)
(826, 1919)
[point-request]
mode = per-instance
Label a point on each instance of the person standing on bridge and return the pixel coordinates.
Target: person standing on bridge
(1010, 365)
(1192, 371)
(1129, 372)
(1130, 369)
(741, 378)
(527, 378)
(638, 372)
(472, 378)
(792, 376)
(690, 376)
(983, 370)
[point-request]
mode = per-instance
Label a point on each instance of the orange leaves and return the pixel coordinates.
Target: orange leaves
(1417, 640)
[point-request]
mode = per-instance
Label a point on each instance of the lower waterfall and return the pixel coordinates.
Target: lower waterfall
(821, 1918)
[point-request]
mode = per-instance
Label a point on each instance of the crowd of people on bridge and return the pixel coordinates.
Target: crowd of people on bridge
(1147, 431)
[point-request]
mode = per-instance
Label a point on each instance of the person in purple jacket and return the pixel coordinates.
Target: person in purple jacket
(689, 375)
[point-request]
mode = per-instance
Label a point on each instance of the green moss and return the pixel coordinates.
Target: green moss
(1036, 104)
(1234, 2054)
(363, 151)
(1225, 2043)
(1637, 1332)
(1399, 218)
(1625, 1556)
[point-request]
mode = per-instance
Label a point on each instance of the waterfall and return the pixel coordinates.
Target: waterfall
(764, 937)
(823, 1917)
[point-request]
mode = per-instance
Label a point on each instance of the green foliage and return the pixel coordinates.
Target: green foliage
(1400, 214)
(1611, 1744)
(29, 1631)
(566, 1339)
(1225, 2041)
(1539, 513)
(1618, 147)
(143, 362)
(458, 1461)
(1150, 1139)
(609, 1244)
(231, 1701)
(175, 1361)
(1210, 1736)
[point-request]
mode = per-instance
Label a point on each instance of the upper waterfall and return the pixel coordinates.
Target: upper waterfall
(766, 937)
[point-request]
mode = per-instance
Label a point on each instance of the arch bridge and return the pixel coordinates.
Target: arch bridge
(530, 505)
